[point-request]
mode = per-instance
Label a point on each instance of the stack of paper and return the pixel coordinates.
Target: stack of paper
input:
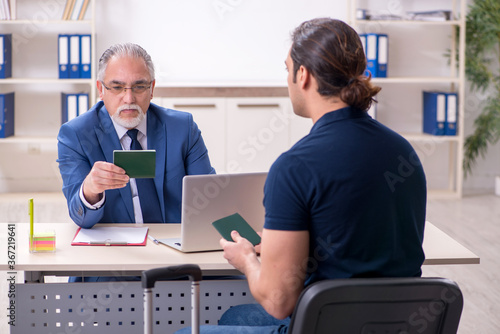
(111, 236)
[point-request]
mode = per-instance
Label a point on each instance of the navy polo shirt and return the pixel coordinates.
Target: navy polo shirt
(359, 189)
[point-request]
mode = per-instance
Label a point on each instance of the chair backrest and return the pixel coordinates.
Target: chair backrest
(379, 305)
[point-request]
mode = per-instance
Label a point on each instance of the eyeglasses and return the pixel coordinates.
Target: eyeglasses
(136, 89)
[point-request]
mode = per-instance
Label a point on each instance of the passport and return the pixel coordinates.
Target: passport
(138, 164)
(235, 222)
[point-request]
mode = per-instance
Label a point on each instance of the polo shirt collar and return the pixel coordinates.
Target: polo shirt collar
(339, 115)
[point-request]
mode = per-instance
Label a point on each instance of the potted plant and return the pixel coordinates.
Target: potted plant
(482, 72)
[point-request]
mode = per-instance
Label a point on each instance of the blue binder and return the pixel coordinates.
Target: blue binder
(362, 37)
(371, 54)
(63, 58)
(69, 107)
(83, 103)
(434, 113)
(382, 55)
(85, 56)
(74, 56)
(5, 56)
(73, 105)
(450, 128)
(6, 115)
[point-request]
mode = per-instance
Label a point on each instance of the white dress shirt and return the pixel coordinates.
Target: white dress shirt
(125, 141)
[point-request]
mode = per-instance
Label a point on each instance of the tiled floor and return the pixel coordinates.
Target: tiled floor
(473, 220)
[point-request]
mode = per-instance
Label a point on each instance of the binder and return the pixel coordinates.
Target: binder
(83, 10)
(13, 10)
(85, 56)
(67, 8)
(371, 54)
(362, 37)
(6, 115)
(69, 107)
(451, 114)
(83, 103)
(76, 9)
(74, 56)
(63, 58)
(5, 56)
(434, 113)
(73, 105)
(382, 55)
(4, 10)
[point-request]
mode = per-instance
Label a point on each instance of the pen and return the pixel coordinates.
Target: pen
(153, 239)
(31, 221)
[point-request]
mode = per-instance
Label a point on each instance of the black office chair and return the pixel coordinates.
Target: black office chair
(379, 305)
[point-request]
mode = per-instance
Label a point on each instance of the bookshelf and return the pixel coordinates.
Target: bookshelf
(35, 27)
(445, 74)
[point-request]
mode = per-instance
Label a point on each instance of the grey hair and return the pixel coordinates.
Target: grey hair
(124, 50)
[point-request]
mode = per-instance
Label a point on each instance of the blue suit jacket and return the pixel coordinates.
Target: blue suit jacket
(91, 137)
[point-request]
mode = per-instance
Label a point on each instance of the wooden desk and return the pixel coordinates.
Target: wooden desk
(439, 248)
(107, 307)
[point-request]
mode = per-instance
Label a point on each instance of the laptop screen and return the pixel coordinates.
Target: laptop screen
(207, 198)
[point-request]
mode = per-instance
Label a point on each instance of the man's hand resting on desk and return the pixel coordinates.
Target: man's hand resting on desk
(103, 176)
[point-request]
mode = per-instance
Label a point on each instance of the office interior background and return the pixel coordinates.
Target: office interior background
(204, 48)
(224, 44)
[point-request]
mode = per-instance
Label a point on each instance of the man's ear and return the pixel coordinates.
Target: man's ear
(303, 77)
(152, 88)
(99, 88)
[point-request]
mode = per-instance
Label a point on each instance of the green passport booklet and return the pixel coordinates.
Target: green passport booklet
(138, 164)
(236, 222)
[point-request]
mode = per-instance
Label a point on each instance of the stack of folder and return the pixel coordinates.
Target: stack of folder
(6, 115)
(376, 48)
(73, 105)
(75, 9)
(5, 56)
(7, 9)
(440, 113)
(74, 56)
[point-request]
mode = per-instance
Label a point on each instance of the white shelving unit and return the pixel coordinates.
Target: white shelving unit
(454, 80)
(35, 80)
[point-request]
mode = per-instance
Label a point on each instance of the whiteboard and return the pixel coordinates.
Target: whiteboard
(211, 42)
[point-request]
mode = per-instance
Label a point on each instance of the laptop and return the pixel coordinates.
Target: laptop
(207, 198)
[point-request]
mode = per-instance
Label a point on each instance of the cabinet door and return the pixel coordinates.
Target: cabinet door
(258, 131)
(209, 115)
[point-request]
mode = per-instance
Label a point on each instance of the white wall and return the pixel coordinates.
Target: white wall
(211, 42)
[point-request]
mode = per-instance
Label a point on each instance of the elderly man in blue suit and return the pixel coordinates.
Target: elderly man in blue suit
(97, 191)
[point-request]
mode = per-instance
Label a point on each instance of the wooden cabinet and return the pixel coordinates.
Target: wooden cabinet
(244, 134)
